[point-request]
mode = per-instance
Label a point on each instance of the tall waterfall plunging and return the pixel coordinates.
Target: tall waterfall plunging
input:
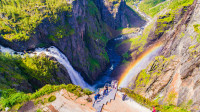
(76, 77)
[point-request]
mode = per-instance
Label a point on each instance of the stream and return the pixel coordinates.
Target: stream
(115, 60)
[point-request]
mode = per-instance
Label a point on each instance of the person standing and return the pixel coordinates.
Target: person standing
(112, 84)
(115, 85)
(124, 97)
(95, 98)
(98, 95)
(154, 109)
(107, 89)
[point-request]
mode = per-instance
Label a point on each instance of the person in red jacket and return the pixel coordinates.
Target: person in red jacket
(154, 109)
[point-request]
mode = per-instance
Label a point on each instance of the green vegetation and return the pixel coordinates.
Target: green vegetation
(124, 31)
(19, 18)
(142, 79)
(39, 68)
(23, 69)
(39, 110)
(52, 98)
(125, 55)
(155, 68)
(140, 41)
(151, 7)
(197, 29)
(93, 63)
(105, 55)
(193, 50)
(114, 0)
(61, 31)
(116, 3)
(92, 8)
(95, 35)
(154, 10)
(179, 3)
(171, 97)
(182, 35)
(149, 104)
(87, 91)
(131, 2)
(164, 22)
(9, 99)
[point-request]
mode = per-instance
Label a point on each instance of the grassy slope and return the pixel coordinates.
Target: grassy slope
(151, 7)
(14, 70)
(19, 18)
(12, 98)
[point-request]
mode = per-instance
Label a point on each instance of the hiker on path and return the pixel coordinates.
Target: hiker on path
(124, 97)
(104, 92)
(96, 97)
(106, 89)
(115, 85)
(101, 93)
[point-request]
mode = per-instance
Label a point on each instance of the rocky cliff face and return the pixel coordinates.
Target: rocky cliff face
(15, 74)
(80, 35)
(174, 76)
(117, 14)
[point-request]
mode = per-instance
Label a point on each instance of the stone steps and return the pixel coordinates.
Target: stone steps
(103, 100)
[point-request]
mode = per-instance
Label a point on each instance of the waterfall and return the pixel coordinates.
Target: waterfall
(52, 51)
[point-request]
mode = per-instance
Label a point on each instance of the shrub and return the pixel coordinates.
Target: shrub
(39, 110)
(52, 98)
(38, 101)
(77, 93)
(71, 87)
(87, 91)
(89, 99)
(14, 99)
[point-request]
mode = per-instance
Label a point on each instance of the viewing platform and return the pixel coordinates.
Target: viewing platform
(107, 97)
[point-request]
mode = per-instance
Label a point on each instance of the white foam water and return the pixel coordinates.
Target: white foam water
(52, 51)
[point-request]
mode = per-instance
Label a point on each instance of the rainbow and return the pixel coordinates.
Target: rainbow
(140, 63)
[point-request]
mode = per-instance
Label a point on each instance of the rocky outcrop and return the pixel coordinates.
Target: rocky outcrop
(80, 35)
(117, 14)
(15, 74)
(174, 77)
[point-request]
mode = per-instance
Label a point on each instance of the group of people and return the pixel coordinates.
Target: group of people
(114, 84)
(105, 91)
(97, 96)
